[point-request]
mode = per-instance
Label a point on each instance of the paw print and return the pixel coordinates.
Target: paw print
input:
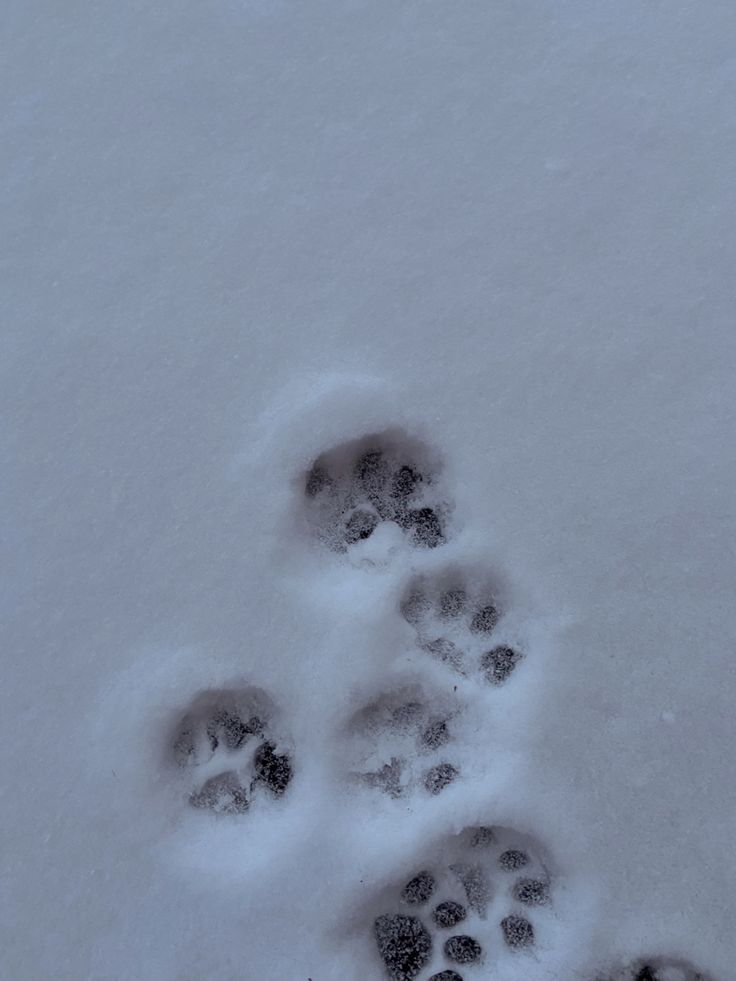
(402, 742)
(353, 490)
(462, 626)
(229, 753)
(480, 900)
(478, 903)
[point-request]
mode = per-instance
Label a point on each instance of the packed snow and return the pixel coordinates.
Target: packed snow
(368, 491)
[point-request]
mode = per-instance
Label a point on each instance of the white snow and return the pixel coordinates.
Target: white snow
(240, 235)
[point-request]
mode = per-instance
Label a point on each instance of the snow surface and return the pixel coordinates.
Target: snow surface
(240, 235)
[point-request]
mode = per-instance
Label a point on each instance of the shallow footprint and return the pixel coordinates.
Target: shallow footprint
(401, 743)
(229, 750)
(352, 490)
(459, 622)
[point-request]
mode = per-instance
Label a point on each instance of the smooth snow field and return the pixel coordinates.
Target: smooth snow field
(368, 490)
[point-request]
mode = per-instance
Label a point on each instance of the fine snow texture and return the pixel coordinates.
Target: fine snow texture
(367, 481)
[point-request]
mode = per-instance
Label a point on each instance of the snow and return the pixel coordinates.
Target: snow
(241, 236)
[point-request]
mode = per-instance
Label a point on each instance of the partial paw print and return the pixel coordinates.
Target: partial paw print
(231, 751)
(402, 743)
(461, 624)
(386, 479)
(483, 898)
(656, 969)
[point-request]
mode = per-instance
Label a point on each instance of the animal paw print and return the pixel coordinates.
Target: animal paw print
(461, 625)
(402, 742)
(226, 746)
(482, 900)
(657, 969)
(386, 479)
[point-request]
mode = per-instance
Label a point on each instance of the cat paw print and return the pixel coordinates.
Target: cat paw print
(482, 900)
(230, 751)
(401, 742)
(381, 481)
(461, 624)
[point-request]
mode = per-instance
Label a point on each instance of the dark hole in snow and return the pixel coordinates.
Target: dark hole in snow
(273, 769)
(517, 932)
(404, 944)
(414, 607)
(439, 777)
(498, 664)
(531, 892)
(449, 914)
(463, 949)
(419, 889)
(404, 482)
(426, 527)
(372, 472)
(484, 620)
(512, 859)
(452, 603)
(436, 734)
